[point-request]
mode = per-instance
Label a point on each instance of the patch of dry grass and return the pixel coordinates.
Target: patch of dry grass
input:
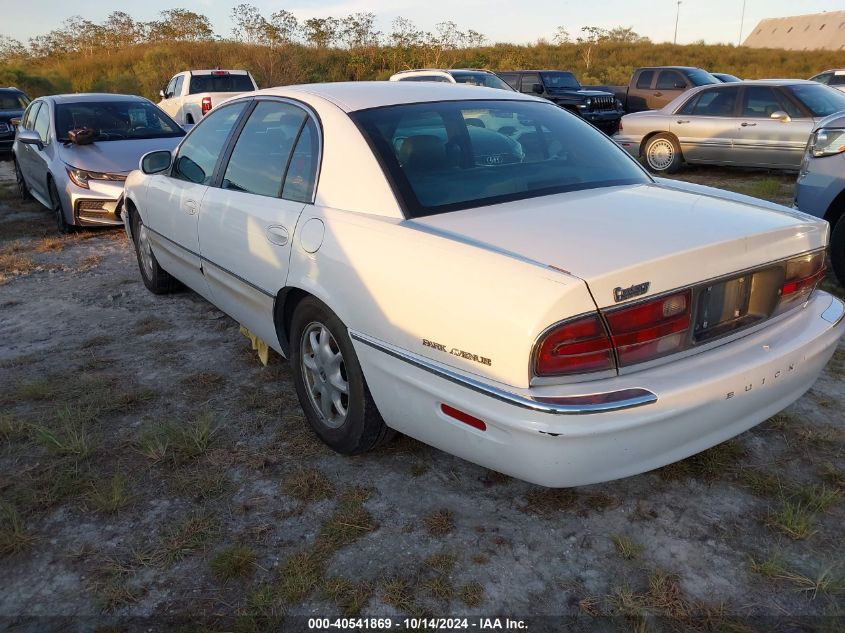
(309, 484)
(440, 522)
(235, 561)
(547, 502)
(181, 540)
(109, 496)
(14, 536)
(714, 463)
(350, 596)
(150, 324)
(626, 547)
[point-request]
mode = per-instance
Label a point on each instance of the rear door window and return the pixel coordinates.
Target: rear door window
(263, 149)
(528, 81)
(760, 102)
(644, 80)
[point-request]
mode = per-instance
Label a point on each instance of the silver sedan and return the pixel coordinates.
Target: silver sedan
(762, 123)
(72, 152)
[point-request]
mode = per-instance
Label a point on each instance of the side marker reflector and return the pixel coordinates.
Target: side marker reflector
(466, 418)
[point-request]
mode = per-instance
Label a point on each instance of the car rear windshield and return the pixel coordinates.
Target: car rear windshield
(445, 156)
(115, 120)
(560, 80)
(820, 100)
(479, 79)
(220, 83)
(13, 101)
(700, 77)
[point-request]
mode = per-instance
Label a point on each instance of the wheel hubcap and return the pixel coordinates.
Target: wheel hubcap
(145, 250)
(661, 154)
(325, 374)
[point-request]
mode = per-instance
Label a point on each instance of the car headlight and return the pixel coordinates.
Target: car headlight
(827, 142)
(586, 103)
(80, 177)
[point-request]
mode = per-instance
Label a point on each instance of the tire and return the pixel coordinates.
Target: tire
(323, 359)
(23, 190)
(837, 250)
(63, 226)
(155, 278)
(662, 154)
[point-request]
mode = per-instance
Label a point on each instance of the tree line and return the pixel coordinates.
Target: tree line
(125, 55)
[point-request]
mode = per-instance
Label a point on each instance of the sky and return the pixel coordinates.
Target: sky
(518, 21)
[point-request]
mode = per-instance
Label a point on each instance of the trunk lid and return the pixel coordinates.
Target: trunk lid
(619, 237)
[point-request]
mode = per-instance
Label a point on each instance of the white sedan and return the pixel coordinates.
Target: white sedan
(487, 273)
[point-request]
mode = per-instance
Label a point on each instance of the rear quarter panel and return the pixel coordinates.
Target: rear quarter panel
(405, 286)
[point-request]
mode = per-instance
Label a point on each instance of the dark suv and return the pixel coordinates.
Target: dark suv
(600, 108)
(12, 104)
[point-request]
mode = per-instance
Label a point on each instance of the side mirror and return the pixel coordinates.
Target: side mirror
(29, 137)
(16, 121)
(155, 162)
(162, 94)
(780, 115)
(537, 89)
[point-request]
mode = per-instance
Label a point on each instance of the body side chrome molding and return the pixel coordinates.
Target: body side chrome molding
(564, 405)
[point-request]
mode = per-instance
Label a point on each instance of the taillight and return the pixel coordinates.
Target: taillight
(206, 105)
(649, 330)
(803, 274)
(577, 346)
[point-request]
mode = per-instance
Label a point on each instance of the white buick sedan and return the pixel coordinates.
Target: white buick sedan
(489, 274)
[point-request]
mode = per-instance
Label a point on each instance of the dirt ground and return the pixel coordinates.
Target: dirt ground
(152, 472)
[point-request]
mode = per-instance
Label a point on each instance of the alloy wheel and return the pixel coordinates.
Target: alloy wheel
(325, 374)
(145, 250)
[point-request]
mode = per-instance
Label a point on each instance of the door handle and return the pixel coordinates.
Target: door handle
(658, 94)
(747, 124)
(679, 121)
(276, 234)
(191, 206)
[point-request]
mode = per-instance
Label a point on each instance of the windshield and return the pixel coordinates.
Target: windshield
(479, 79)
(452, 155)
(700, 77)
(220, 83)
(115, 120)
(560, 80)
(820, 100)
(13, 101)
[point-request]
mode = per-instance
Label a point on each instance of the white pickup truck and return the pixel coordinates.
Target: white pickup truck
(192, 93)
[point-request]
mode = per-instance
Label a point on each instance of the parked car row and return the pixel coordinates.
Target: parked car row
(535, 338)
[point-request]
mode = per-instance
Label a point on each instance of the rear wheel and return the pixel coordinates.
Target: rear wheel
(23, 190)
(58, 210)
(662, 154)
(837, 250)
(330, 384)
(155, 278)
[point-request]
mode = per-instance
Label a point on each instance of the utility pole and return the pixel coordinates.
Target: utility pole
(741, 21)
(677, 14)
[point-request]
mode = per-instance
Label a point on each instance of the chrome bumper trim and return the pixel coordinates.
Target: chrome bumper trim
(564, 405)
(835, 311)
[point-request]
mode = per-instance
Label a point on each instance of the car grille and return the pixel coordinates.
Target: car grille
(603, 103)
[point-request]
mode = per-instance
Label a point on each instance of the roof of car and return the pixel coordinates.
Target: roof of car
(80, 97)
(536, 70)
(444, 70)
(351, 96)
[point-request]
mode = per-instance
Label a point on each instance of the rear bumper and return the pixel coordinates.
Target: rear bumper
(700, 401)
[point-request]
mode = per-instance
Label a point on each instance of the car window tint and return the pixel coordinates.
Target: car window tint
(760, 102)
(644, 80)
(528, 82)
(669, 80)
(42, 123)
(837, 80)
(199, 152)
(28, 120)
(177, 88)
(512, 79)
(461, 154)
(220, 83)
(302, 170)
(168, 92)
(263, 148)
(824, 78)
(820, 100)
(715, 103)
